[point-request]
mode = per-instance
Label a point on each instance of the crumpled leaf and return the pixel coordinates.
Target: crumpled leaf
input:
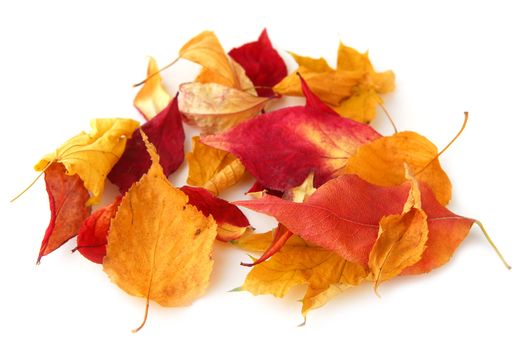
(401, 239)
(159, 246)
(93, 155)
(216, 108)
(231, 222)
(152, 97)
(343, 215)
(211, 168)
(262, 63)
(281, 148)
(206, 50)
(67, 198)
(165, 132)
(352, 89)
(298, 262)
(92, 235)
(242, 81)
(381, 162)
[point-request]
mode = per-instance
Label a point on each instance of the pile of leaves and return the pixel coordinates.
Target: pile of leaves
(352, 205)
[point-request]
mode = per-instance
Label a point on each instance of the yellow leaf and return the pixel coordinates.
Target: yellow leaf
(216, 108)
(152, 97)
(159, 247)
(211, 168)
(352, 89)
(401, 239)
(92, 155)
(299, 263)
(206, 50)
(243, 82)
(381, 162)
(300, 193)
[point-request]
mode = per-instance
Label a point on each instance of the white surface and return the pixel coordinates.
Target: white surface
(62, 64)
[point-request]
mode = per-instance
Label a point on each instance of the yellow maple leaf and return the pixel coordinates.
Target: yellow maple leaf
(211, 168)
(159, 247)
(152, 97)
(92, 155)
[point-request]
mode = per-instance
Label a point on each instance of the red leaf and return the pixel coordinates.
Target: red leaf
(343, 215)
(262, 63)
(281, 148)
(281, 236)
(92, 236)
(166, 133)
(221, 210)
(67, 198)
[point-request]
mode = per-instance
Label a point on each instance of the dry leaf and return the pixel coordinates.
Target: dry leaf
(93, 155)
(159, 247)
(152, 97)
(211, 168)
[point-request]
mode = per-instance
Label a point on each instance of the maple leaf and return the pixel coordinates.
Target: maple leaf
(159, 246)
(152, 97)
(165, 132)
(262, 63)
(211, 168)
(281, 148)
(352, 89)
(230, 220)
(92, 236)
(92, 155)
(67, 198)
(216, 108)
(325, 273)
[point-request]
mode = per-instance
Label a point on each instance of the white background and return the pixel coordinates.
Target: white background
(63, 63)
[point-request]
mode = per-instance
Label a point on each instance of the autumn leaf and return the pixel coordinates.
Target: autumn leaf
(216, 108)
(343, 215)
(159, 246)
(231, 222)
(92, 155)
(165, 132)
(262, 63)
(152, 97)
(92, 236)
(381, 162)
(401, 239)
(242, 81)
(353, 89)
(211, 168)
(281, 148)
(297, 263)
(67, 198)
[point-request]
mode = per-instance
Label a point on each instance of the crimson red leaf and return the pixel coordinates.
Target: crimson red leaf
(165, 132)
(283, 147)
(92, 235)
(262, 63)
(67, 198)
(231, 221)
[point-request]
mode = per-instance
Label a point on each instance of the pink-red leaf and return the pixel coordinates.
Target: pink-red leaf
(280, 149)
(92, 236)
(67, 198)
(166, 133)
(262, 63)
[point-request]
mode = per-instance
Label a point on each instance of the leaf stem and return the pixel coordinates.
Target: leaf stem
(492, 244)
(32, 183)
(389, 117)
(144, 317)
(157, 72)
(448, 145)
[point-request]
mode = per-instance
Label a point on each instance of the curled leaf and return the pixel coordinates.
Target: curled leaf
(67, 198)
(152, 97)
(93, 155)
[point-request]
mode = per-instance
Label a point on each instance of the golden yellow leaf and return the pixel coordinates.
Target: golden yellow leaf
(211, 168)
(159, 247)
(243, 82)
(92, 155)
(300, 193)
(352, 89)
(299, 263)
(152, 97)
(401, 239)
(216, 108)
(381, 162)
(206, 50)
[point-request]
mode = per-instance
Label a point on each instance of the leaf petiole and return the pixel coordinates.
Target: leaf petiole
(492, 244)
